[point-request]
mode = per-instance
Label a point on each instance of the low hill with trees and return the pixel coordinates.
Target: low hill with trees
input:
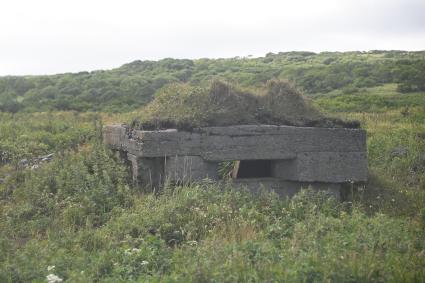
(134, 84)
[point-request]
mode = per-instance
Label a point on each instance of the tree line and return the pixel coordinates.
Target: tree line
(134, 84)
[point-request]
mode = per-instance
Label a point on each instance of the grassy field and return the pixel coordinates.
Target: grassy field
(78, 218)
(377, 99)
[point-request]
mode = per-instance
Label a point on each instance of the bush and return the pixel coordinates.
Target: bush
(73, 191)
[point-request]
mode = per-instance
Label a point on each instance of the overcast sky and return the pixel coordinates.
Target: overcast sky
(56, 36)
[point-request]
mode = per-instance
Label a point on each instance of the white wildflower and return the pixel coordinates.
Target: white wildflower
(144, 262)
(50, 267)
(52, 278)
(135, 250)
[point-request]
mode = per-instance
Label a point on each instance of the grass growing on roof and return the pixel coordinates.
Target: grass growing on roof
(186, 107)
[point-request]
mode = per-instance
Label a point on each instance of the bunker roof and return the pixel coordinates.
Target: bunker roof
(186, 107)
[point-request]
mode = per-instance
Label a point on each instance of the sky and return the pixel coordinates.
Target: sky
(58, 36)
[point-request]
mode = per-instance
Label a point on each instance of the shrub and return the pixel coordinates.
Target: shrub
(74, 191)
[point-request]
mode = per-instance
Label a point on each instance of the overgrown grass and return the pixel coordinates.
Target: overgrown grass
(372, 100)
(204, 233)
(31, 135)
(80, 214)
(220, 104)
(396, 149)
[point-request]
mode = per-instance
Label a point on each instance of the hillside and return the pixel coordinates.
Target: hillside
(132, 85)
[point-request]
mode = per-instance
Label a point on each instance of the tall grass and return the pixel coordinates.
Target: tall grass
(205, 233)
(78, 217)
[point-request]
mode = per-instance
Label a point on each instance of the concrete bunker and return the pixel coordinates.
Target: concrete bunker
(279, 158)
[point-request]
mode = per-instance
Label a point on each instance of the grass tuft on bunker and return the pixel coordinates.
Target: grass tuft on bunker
(183, 106)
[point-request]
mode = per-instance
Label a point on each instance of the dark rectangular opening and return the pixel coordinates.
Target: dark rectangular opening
(253, 169)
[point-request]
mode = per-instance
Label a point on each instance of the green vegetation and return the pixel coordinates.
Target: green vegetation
(133, 85)
(186, 107)
(80, 214)
(202, 233)
(375, 99)
(78, 217)
(31, 135)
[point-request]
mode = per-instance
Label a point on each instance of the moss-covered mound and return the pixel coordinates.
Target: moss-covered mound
(186, 107)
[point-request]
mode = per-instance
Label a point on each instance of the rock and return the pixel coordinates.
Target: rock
(420, 136)
(399, 151)
(35, 166)
(23, 162)
(48, 156)
(152, 230)
(43, 158)
(419, 163)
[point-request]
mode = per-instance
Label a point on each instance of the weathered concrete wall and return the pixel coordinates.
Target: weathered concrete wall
(147, 171)
(236, 142)
(335, 167)
(189, 168)
(332, 167)
(115, 135)
(276, 142)
(299, 154)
